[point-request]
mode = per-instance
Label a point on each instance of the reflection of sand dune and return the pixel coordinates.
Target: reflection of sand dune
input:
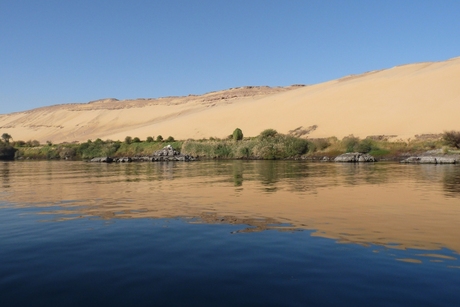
(383, 204)
(405, 101)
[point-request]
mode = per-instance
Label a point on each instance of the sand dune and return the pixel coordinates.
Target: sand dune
(404, 101)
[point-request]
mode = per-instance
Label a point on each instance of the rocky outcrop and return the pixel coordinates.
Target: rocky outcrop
(354, 157)
(165, 154)
(123, 160)
(169, 154)
(166, 151)
(102, 160)
(447, 159)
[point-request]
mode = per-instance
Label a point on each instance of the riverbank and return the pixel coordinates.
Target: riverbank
(269, 145)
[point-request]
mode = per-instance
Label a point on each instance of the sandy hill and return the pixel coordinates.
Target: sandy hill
(403, 101)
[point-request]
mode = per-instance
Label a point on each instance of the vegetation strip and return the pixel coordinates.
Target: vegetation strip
(268, 145)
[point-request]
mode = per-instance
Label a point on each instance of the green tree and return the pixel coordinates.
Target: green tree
(237, 134)
(170, 139)
(149, 139)
(128, 140)
(136, 140)
(159, 138)
(6, 137)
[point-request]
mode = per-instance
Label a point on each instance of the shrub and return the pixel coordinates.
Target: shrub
(33, 143)
(350, 143)
(365, 146)
(20, 143)
(268, 133)
(159, 138)
(170, 139)
(222, 151)
(237, 134)
(128, 140)
(244, 152)
(149, 139)
(451, 138)
(318, 144)
(136, 140)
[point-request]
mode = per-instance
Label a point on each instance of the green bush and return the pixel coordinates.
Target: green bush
(19, 143)
(268, 133)
(136, 140)
(149, 139)
(170, 139)
(159, 138)
(128, 140)
(319, 144)
(33, 143)
(350, 143)
(364, 146)
(222, 151)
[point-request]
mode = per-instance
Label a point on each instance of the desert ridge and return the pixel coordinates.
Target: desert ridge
(401, 102)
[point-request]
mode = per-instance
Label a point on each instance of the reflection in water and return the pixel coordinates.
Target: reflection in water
(385, 204)
(451, 181)
(5, 174)
(238, 173)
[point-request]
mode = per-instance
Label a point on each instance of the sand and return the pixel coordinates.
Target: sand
(402, 102)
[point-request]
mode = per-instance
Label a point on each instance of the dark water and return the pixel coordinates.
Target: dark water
(258, 233)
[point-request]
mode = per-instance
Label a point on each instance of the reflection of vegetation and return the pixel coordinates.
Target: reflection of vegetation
(255, 225)
(6, 151)
(356, 173)
(5, 175)
(451, 180)
(237, 173)
(268, 172)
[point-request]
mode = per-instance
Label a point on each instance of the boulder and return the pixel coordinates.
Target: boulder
(166, 151)
(411, 160)
(427, 160)
(452, 159)
(447, 160)
(355, 157)
(124, 160)
(102, 160)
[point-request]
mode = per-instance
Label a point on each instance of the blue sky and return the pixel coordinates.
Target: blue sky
(54, 52)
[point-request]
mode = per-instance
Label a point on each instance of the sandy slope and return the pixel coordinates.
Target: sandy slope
(403, 101)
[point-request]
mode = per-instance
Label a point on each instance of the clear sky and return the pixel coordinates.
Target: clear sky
(54, 52)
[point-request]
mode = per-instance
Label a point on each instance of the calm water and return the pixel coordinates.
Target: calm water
(229, 233)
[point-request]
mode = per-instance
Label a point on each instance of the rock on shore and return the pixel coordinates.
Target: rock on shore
(168, 153)
(354, 157)
(165, 154)
(453, 159)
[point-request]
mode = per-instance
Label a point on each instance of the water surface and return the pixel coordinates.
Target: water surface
(255, 233)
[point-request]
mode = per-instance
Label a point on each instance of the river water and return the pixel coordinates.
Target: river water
(229, 233)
